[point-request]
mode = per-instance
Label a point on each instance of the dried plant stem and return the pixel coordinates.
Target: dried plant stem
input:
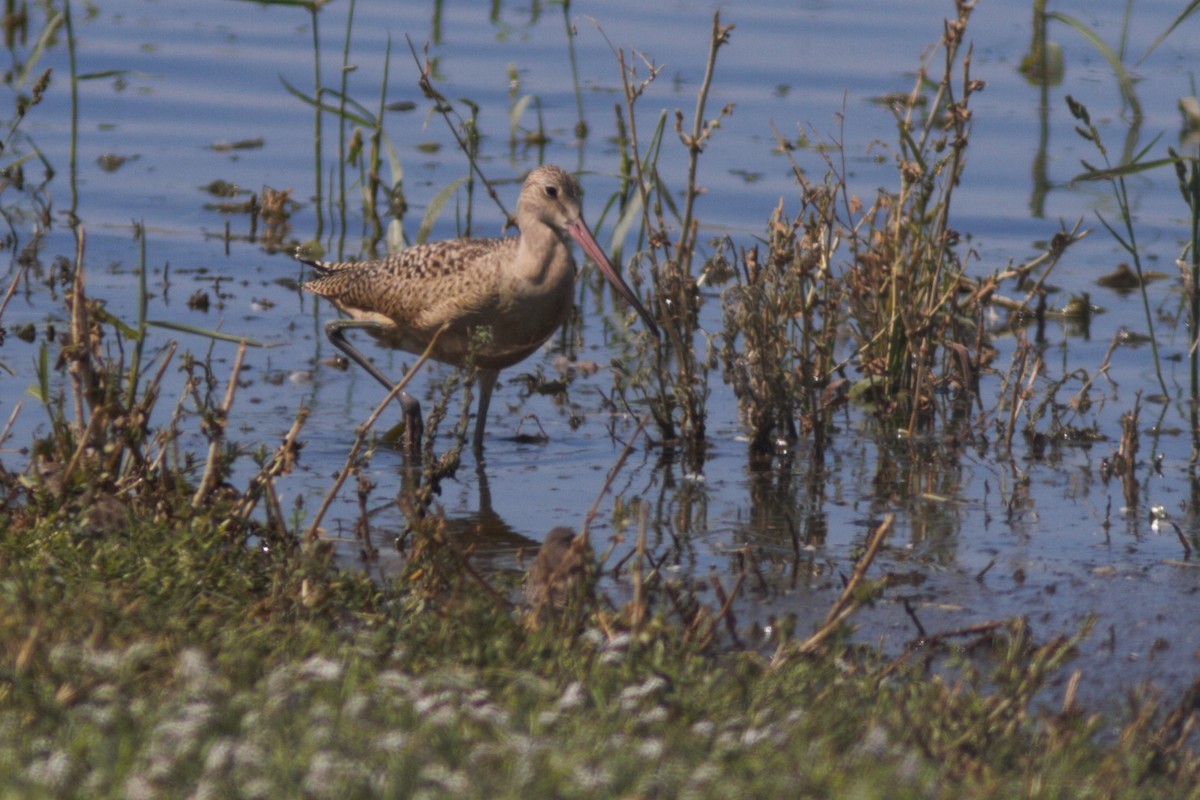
(443, 107)
(7, 429)
(81, 365)
(143, 298)
(695, 141)
(846, 604)
(1017, 401)
(632, 93)
(836, 612)
(345, 76)
(1048, 259)
(361, 438)
(318, 94)
(12, 288)
(212, 469)
(170, 434)
(279, 464)
(151, 392)
(612, 474)
(639, 600)
(726, 612)
(475, 575)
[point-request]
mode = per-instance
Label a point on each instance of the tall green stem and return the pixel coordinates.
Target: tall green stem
(71, 213)
(341, 200)
(1193, 196)
(318, 93)
(695, 142)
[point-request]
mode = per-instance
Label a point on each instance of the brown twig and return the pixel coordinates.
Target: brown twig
(443, 107)
(4, 433)
(280, 463)
(474, 574)
(928, 642)
(726, 612)
(361, 437)
(846, 604)
(860, 569)
(639, 600)
(12, 288)
(211, 470)
(612, 475)
(81, 366)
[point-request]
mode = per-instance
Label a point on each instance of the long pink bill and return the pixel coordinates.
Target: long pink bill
(580, 233)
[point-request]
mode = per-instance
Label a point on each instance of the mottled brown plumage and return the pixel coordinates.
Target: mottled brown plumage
(521, 288)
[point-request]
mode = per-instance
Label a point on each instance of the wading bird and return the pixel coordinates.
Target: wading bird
(519, 288)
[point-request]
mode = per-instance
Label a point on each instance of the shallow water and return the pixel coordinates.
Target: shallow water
(1059, 542)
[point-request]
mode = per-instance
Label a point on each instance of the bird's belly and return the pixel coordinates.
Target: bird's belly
(504, 332)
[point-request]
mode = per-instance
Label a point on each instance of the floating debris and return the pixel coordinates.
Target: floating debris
(111, 162)
(240, 144)
(1124, 279)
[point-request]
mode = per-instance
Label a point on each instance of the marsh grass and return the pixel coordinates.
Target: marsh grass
(673, 380)
(1133, 161)
(1124, 232)
(780, 318)
(912, 327)
(891, 272)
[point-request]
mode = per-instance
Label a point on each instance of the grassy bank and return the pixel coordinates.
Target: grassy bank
(174, 658)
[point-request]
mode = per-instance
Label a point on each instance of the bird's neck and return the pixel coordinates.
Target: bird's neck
(543, 255)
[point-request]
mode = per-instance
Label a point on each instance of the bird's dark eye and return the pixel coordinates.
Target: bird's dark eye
(552, 191)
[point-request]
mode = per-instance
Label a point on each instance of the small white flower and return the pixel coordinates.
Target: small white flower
(323, 669)
(572, 697)
(651, 749)
(50, 771)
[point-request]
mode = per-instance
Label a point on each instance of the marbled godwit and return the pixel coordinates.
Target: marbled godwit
(520, 288)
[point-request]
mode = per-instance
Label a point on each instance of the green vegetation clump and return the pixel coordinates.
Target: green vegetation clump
(173, 657)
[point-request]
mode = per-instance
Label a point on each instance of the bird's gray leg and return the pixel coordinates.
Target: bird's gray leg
(487, 381)
(413, 426)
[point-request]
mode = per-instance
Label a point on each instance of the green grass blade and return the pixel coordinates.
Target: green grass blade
(435, 208)
(1122, 170)
(102, 75)
(516, 112)
(364, 118)
(307, 4)
(1113, 232)
(47, 35)
(1187, 12)
(631, 215)
(1124, 81)
(41, 390)
(210, 334)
